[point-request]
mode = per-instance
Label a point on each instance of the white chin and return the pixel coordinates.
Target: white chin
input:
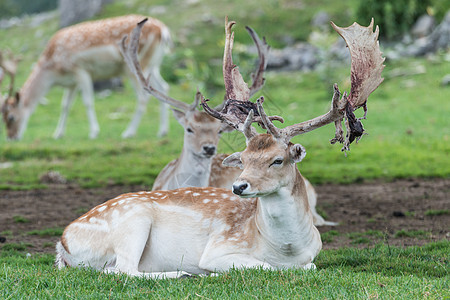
(248, 195)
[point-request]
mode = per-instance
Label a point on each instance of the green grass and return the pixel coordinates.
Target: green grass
(20, 219)
(47, 232)
(380, 271)
(437, 212)
(412, 233)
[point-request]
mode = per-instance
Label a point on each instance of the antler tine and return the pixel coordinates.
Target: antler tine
(235, 86)
(263, 52)
(247, 129)
(129, 53)
(198, 98)
(272, 129)
(366, 67)
(336, 113)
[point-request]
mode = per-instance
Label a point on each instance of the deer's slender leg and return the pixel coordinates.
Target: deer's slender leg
(87, 93)
(66, 104)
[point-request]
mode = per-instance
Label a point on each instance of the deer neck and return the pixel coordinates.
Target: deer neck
(35, 88)
(197, 167)
(284, 219)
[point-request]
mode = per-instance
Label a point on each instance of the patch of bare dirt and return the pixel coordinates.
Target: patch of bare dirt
(399, 213)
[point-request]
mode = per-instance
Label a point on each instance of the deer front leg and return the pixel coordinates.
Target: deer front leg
(69, 95)
(87, 93)
(226, 262)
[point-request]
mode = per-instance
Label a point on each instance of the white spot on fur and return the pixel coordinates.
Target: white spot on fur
(101, 208)
(216, 201)
(187, 192)
(206, 201)
(195, 194)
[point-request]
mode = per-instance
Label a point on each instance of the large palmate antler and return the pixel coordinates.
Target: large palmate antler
(237, 93)
(129, 52)
(366, 67)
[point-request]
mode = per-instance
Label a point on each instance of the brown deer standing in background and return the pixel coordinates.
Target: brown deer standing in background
(161, 234)
(198, 166)
(79, 54)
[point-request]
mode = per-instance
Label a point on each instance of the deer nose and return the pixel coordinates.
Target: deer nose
(239, 188)
(209, 150)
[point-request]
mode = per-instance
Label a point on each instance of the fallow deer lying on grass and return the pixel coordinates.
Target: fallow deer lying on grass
(198, 166)
(161, 234)
(77, 55)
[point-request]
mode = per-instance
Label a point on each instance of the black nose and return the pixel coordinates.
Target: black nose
(210, 150)
(238, 189)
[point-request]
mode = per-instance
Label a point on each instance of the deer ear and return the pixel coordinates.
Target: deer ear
(297, 153)
(234, 160)
(180, 116)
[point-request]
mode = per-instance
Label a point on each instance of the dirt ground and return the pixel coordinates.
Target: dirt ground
(398, 213)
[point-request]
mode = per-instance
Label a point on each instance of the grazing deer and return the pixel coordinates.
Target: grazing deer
(162, 234)
(77, 55)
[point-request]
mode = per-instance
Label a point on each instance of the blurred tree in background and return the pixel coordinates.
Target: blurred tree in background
(11, 8)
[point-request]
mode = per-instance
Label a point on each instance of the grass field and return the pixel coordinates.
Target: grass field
(381, 272)
(409, 136)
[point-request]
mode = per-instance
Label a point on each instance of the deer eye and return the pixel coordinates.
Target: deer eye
(189, 130)
(277, 161)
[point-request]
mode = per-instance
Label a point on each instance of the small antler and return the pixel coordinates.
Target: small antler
(130, 56)
(366, 67)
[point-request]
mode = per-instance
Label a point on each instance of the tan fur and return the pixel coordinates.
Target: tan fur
(80, 54)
